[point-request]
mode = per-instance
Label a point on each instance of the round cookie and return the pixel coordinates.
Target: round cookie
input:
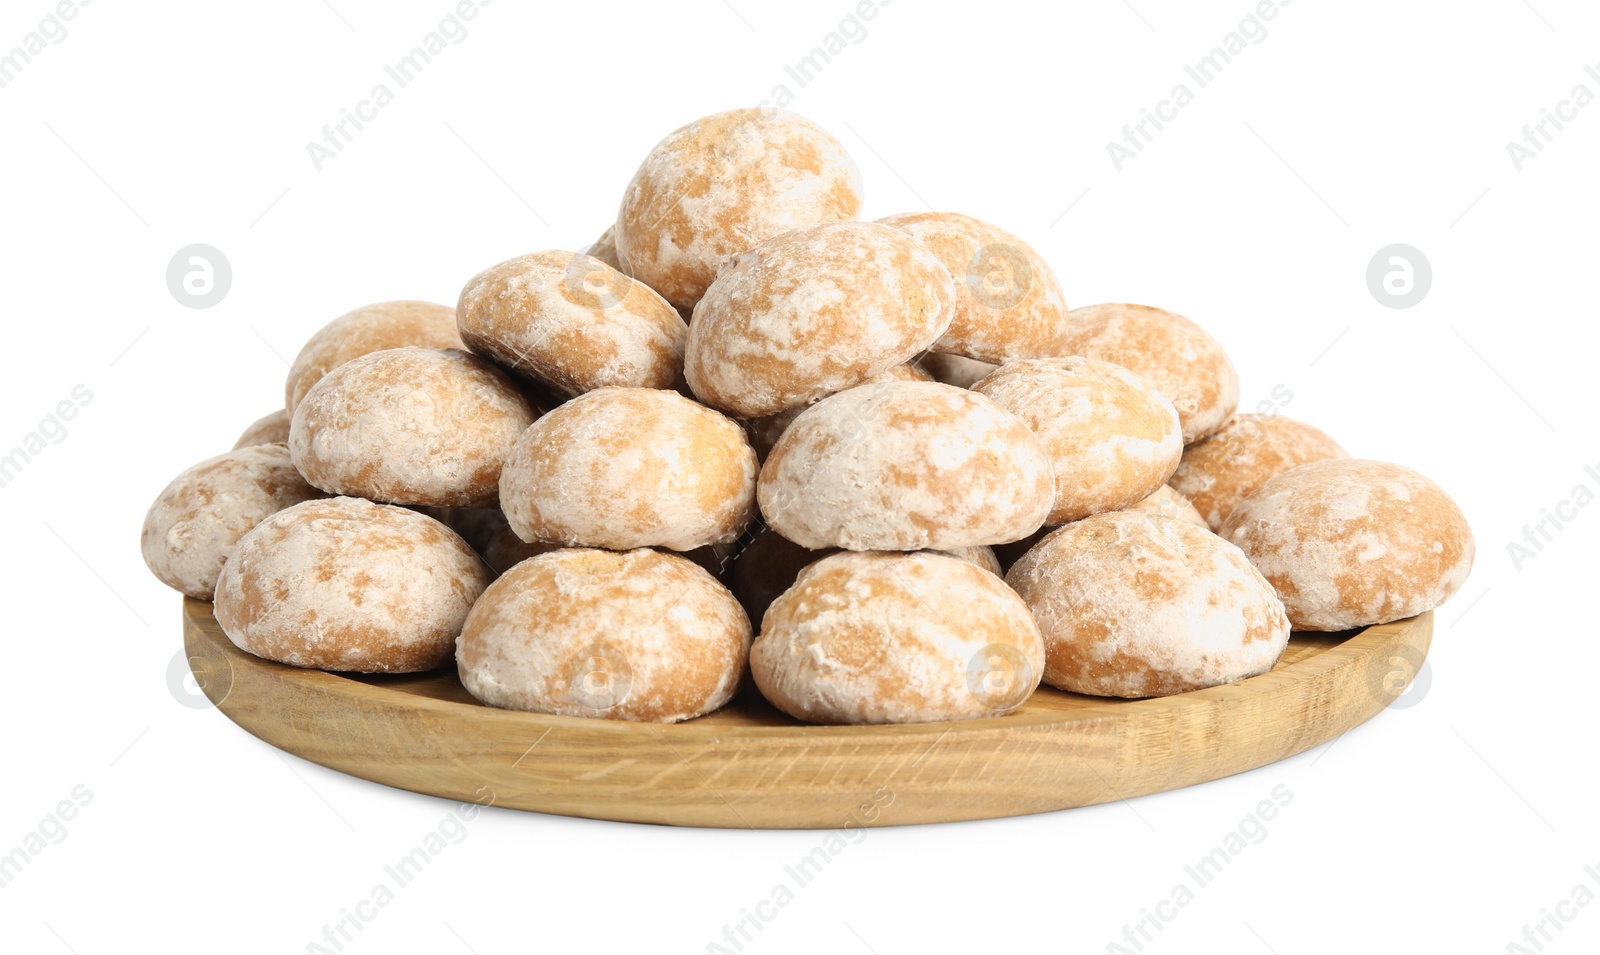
(765, 432)
(1166, 502)
(813, 312)
(410, 426)
(605, 248)
(369, 329)
(1351, 543)
(641, 636)
(722, 184)
(896, 638)
(268, 429)
(1008, 304)
(955, 370)
(345, 584)
(572, 323)
(1112, 438)
(1167, 350)
(1218, 472)
(906, 465)
(1135, 605)
(771, 562)
(195, 522)
(630, 467)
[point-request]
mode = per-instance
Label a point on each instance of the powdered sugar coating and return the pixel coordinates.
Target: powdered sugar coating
(1135, 605)
(196, 521)
(1218, 472)
(1112, 438)
(270, 428)
(369, 329)
(896, 638)
(1167, 350)
(905, 465)
(722, 184)
(1008, 304)
(1166, 502)
(813, 312)
(572, 323)
(1351, 543)
(640, 636)
(630, 467)
(410, 426)
(345, 584)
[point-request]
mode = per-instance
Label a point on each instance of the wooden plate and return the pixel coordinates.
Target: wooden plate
(750, 766)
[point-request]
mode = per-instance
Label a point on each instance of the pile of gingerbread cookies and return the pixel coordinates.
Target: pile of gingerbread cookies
(876, 468)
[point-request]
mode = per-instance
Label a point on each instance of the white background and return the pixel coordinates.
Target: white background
(1444, 826)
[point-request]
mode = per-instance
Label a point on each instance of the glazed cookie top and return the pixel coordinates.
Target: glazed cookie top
(410, 426)
(345, 584)
(1008, 304)
(573, 323)
(905, 465)
(722, 184)
(197, 519)
(630, 467)
(1350, 543)
(369, 329)
(638, 635)
(1166, 349)
(897, 638)
(1218, 472)
(1112, 438)
(1135, 605)
(813, 312)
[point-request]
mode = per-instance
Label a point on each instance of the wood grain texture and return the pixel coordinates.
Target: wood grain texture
(750, 766)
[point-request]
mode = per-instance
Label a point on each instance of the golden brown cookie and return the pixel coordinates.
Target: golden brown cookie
(1352, 543)
(197, 519)
(369, 329)
(813, 312)
(1218, 472)
(1135, 605)
(1167, 350)
(906, 465)
(896, 638)
(1112, 438)
(630, 467)
(722, 184)
(345, 584)
(572, 323)
(410, 426)
(641, 636)
(1008, 304)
